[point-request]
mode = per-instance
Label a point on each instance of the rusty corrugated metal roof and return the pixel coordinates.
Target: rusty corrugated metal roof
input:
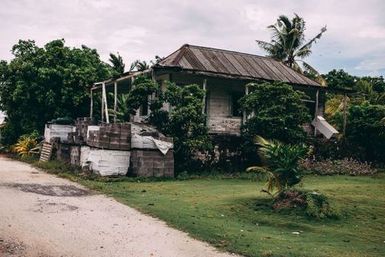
(225, 62)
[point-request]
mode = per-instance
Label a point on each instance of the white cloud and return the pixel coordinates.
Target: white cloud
(143, 29)
(376, 63)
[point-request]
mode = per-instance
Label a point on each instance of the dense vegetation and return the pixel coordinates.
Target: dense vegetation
(43, 83)
(184, 122)
(365, 112)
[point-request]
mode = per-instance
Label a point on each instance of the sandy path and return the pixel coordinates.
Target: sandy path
(42, 215)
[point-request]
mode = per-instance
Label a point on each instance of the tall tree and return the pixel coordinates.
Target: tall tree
(139, 65)
(117, 63)
(43, 83)
(288, 43)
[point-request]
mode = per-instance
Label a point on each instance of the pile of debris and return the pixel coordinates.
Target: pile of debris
(133, 149)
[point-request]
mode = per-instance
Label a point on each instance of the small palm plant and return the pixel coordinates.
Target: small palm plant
(280, 164)
(123, 109)
(25, 144)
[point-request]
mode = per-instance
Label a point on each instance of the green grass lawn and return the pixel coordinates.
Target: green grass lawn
(234, 215)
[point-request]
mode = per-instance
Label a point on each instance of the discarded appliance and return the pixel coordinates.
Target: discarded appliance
(321, 125)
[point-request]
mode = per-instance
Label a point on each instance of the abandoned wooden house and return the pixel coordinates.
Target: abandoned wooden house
(134, 148)
(224, 75)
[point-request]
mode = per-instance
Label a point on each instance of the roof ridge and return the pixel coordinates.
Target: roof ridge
(230, 51)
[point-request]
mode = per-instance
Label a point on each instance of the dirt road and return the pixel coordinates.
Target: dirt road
(45, 216)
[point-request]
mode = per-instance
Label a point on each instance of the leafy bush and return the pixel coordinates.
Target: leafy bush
(347, 166)
(185, 122)
(365, 133)
(41, 83)
(281, 164)
(318, 206)
(142, 89)
(25, 144)
(276, 111)
(314, 204)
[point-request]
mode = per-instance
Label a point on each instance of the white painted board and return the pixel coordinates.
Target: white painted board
(105, 162)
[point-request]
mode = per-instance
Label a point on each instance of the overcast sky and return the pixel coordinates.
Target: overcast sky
(141, 29)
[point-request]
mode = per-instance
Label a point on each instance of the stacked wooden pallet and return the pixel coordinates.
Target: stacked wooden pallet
(46, 152)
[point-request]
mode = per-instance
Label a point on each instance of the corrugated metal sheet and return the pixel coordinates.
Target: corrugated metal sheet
(224, 62)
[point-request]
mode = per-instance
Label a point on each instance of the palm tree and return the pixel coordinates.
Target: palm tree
(123, 110)
(288, 43)
(280, 164)
(139, 65)
(117, 63)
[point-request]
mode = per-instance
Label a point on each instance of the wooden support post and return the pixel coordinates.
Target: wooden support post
(104, 99)
(316, 110)
(204, 96)
(102, 106)
(115, 99)
(244, 115)
(91, 103)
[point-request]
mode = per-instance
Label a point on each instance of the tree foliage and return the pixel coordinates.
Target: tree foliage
(139, 65)
(288, 42)
(365, 115)
(339, 79)
(280, 162)
(184, 122)
(117, 63)
(42, 83)
(276, 112)
(366, 132)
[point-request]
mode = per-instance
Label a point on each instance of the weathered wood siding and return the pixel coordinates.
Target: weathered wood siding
(219, 108)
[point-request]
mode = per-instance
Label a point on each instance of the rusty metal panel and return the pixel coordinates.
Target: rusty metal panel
(259, 68)
(184, 63)
(206, 63)
(230, 63)
(298, 79)
(236, 64)
(229, 66)
(284, 69)
(246, 64)
(194, 61)
(276, 72)
(213, 58)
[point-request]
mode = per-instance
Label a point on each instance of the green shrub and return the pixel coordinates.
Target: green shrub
(346, 166)
(25, 144)
(280, 163)
(318, 206)
(313, 204)
(41, 83)
(365, 132)
(276, 111)
(185, 122)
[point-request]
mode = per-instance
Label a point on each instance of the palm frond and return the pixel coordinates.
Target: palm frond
(302, 53)
(264, 45)
(283, 19)
(314, 39)
(295, 66)
(309, 68)
(117, 63)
